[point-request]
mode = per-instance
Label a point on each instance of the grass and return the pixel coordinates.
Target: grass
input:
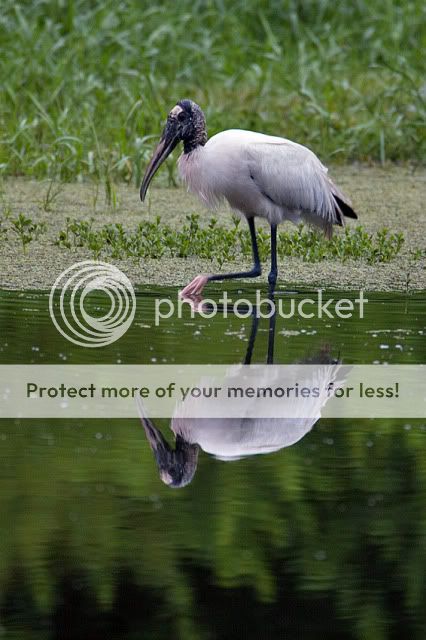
(23, 227)
(86, 86)
(154, 239)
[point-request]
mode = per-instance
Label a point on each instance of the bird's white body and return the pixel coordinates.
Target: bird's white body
(237, 437)
(263, 176)
(257, 175)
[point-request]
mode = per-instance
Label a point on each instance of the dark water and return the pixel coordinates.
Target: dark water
(324, 539)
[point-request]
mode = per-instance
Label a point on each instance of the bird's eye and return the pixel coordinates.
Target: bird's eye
(181, 116)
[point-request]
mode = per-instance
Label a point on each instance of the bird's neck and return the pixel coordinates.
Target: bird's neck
(198, 138)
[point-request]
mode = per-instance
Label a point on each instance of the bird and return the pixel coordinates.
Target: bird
(258, 175)
(232, 438)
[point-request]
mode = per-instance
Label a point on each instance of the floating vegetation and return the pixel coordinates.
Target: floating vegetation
(154, 239)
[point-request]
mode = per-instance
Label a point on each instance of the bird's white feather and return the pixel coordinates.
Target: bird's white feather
(260, 175)
(231, 438)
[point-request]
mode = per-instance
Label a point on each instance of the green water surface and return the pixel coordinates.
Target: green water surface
(324, 539)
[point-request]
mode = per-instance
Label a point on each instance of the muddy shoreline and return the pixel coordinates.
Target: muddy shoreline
(392, 197)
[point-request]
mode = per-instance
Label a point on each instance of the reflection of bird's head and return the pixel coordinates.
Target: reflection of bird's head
(176, 466)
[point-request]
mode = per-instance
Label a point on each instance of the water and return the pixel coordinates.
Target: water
(324, 539)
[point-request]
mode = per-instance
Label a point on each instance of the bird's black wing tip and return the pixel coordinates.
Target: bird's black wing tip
(345, 208)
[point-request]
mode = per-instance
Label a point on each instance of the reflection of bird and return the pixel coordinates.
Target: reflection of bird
(258, 175)
(233, 438)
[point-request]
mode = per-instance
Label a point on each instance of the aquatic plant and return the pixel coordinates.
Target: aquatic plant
(154, 239)
(26, 229)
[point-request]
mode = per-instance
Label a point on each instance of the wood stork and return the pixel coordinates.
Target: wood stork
(257, 174)
(230, 439)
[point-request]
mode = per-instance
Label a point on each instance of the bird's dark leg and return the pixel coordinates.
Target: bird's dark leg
(255, 271)
(272, 277)
(193, 290)
(271, 333)
(252, 338)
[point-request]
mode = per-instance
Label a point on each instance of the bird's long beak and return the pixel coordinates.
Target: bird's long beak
(157, 442)
(161, 449)
(175, 466)
(159, 445)
(168, 142)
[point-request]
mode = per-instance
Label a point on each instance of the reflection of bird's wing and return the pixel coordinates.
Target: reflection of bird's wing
(231, 438)
(319, 376)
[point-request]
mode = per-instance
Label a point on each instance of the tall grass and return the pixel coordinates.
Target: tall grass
(86, 85)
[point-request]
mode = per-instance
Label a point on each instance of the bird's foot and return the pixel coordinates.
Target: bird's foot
(194, 289)
(195, 302)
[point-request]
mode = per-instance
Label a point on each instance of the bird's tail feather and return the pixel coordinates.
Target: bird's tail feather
(345, 208)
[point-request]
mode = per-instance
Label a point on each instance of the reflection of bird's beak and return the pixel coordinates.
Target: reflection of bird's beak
(168, 142)
(176, 466)
(157, 442)
(159, 445)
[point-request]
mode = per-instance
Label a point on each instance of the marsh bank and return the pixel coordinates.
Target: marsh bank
(383, 197)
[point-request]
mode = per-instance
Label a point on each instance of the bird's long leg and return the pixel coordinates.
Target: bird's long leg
(252, 338)
(256, 270)
(272, 277)
(271, 333)
(195, 287)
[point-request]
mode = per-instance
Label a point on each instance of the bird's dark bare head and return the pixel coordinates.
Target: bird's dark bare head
(193, 124)
(176, 466)
(185, 123)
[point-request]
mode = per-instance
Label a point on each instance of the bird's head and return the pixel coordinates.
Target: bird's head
(185, 123)
(176, 466)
